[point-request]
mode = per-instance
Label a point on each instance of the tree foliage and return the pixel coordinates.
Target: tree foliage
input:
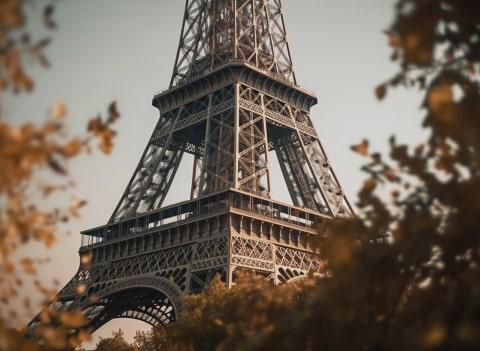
(33, 166)
(115, 343)
(222, 318)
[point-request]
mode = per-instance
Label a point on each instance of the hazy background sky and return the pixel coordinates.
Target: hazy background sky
(124, 50)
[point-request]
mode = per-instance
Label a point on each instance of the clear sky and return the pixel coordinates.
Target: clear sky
(124, 50)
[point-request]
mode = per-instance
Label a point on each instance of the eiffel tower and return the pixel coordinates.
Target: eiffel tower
(233, 100)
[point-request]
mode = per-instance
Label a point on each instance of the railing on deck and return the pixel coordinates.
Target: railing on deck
(194, 209)
(203, 73)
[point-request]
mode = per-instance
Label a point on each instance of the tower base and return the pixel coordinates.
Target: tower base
(140, 268)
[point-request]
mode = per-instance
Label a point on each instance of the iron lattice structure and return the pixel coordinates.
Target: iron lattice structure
(233, 100)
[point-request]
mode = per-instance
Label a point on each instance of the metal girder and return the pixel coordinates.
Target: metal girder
(253, 172)
(218, 158)
(153, 176)
(216, 32)
(294, 176)
(309, 176)
(142, 304)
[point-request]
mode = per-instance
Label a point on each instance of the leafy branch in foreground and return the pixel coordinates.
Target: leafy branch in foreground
(34, 165)
(27, 153)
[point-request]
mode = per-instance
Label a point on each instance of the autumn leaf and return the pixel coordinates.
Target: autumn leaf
(381, 91)
(58, 110)
(102, 130)
(72, 149)
(55, 165)
(95, 125)
(80, 289)
(113, 113)
(414, 33)
(418, 49)
(395, 193)
(440, 96)
(77, 339)
(394, 40)
(72, 319)
(28, 266)
(75, 206)
(435, 336)
(86, 258)
(369, 185)
(94, 298)
(106, 140)
(362, 148)
(218, 322)
(441, 103)
(37, 51)
(41, 44)
(54, 337)
(48, 17)
(390, 175)
(46, 314)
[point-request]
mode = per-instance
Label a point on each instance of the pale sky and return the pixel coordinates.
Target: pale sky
(124, 50)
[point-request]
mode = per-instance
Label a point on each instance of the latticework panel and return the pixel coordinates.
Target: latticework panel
(153, 176)
(216, 32)
(218, 159)
(253, 173)
(210, 254)
(291, 264)
(305, 261)
(152, 299)
(309, 176)
(249, 248)
(143, 264)
(283, 262)
(146, 305)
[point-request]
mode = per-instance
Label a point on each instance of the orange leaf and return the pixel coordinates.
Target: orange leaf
(394, 40)
(441, 103)
(86, 258)
(55, 337)
(369, 185)
(362, 148)
(390, 175)
(80, 289)
(72, 319)
(435, 336)
(440, 96)
(58, 110)
(72, 148)
(113, 112)
(28, 266)
(381, 91)
(75, 206)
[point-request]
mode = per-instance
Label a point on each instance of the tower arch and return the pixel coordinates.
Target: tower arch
(151, 299)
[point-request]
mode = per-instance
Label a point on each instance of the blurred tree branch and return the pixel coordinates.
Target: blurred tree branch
(29, 155)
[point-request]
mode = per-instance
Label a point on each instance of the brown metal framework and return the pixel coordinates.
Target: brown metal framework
(233, 101)
(218, 32)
